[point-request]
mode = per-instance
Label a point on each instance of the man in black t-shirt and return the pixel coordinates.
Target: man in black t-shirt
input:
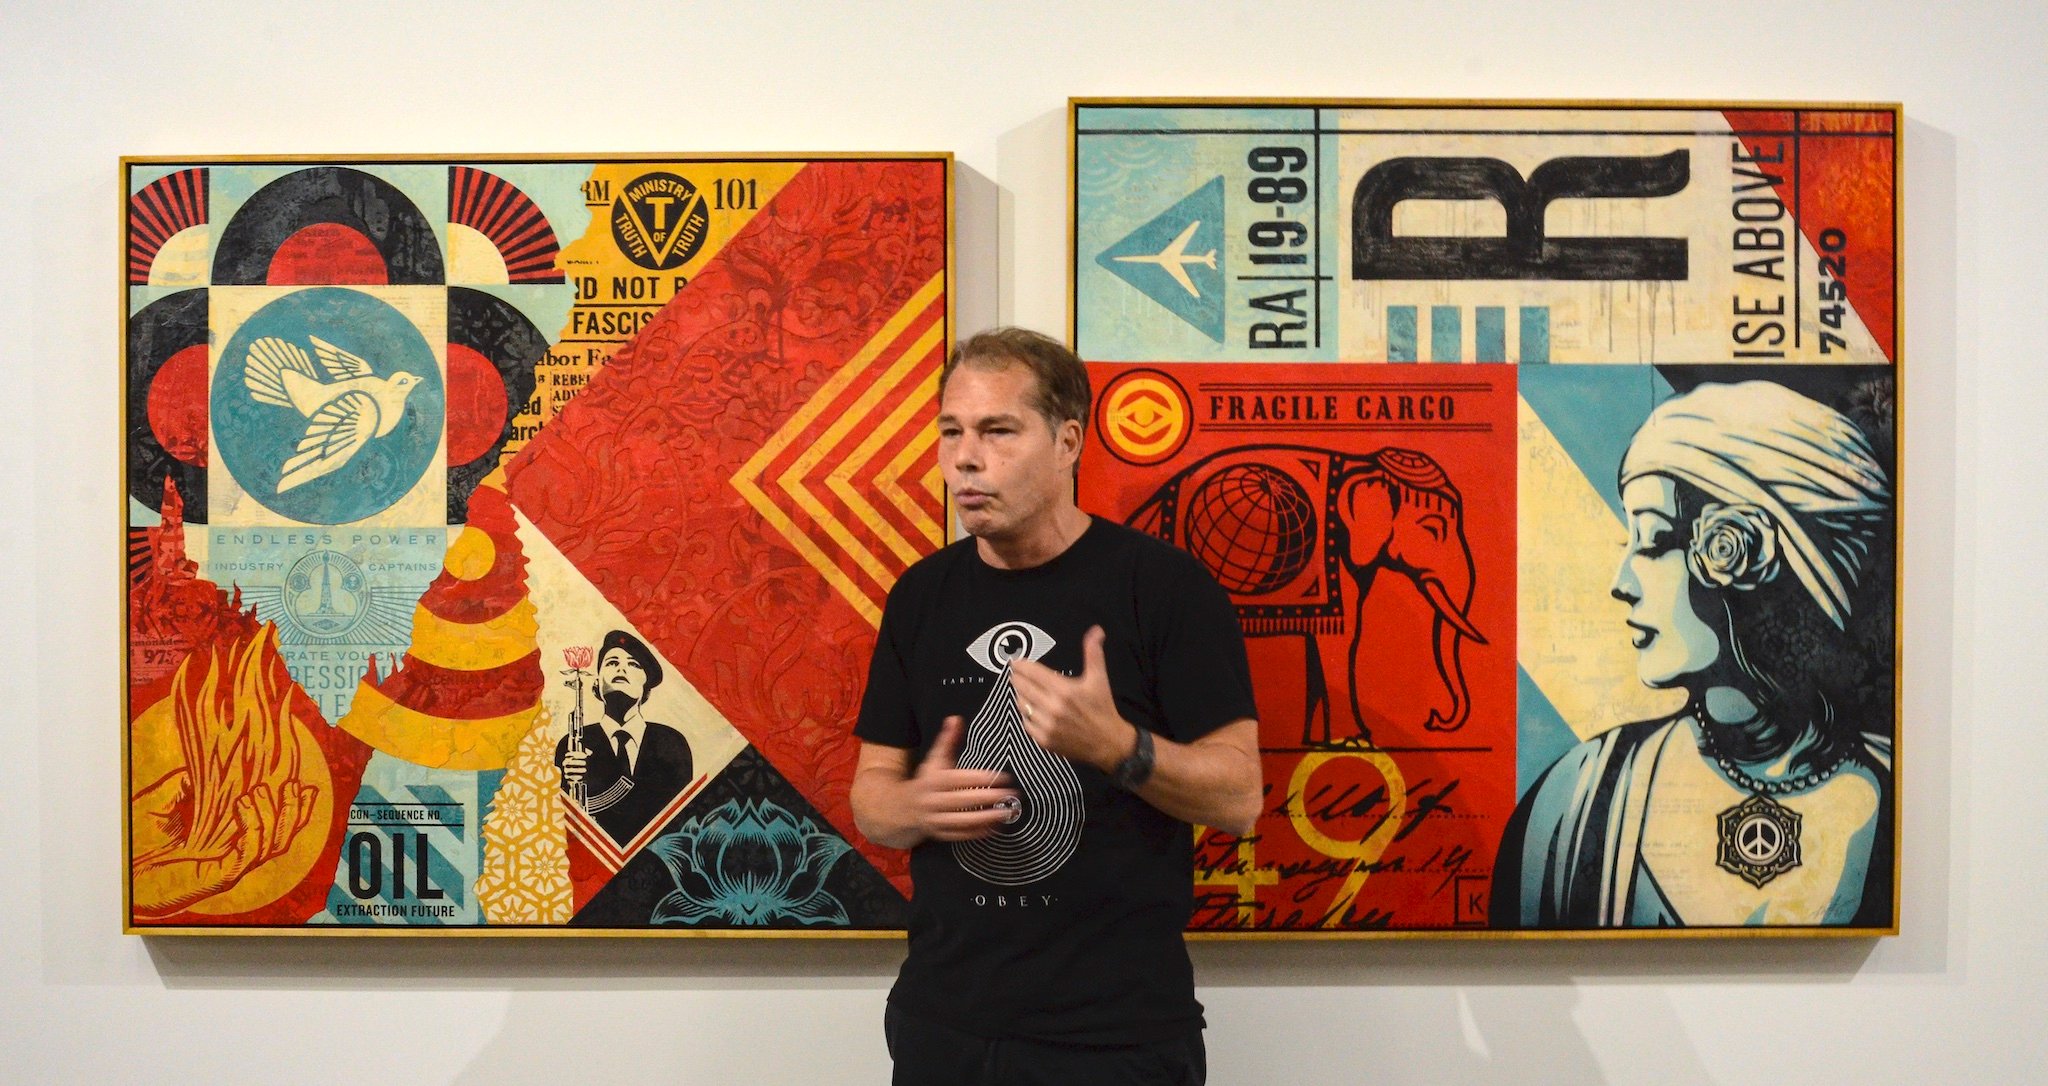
(1052, 702)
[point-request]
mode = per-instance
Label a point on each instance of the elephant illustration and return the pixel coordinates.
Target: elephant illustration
(1298, 535)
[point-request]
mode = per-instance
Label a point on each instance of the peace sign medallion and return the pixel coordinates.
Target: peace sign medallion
(1759, 839)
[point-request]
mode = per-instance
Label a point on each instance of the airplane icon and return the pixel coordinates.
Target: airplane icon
(1175, 259)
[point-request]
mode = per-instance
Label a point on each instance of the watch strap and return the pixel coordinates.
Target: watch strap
(1136, 768)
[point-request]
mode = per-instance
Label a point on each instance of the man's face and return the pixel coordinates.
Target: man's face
(619, 672)
(1008, 469)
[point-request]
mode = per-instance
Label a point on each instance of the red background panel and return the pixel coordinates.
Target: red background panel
(1404, 796)
(633, 481)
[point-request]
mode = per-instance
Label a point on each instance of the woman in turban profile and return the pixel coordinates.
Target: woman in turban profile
(1757, 580)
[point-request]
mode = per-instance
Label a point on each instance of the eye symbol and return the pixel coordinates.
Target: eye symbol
(1002, 644)
(1143, 412)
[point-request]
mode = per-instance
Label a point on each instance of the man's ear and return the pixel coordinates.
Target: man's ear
(1072, 435)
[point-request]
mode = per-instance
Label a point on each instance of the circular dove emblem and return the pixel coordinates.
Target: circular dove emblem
(328, 406)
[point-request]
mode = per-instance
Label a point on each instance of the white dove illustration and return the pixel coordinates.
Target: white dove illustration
(344, 413)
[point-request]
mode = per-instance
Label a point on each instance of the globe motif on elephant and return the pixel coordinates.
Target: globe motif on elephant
(1253, 526)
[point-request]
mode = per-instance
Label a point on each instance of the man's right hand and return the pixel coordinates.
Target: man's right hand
(938, 801)
(575, 762)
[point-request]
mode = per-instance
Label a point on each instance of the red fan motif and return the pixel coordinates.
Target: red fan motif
(156, 215)
(495, 208)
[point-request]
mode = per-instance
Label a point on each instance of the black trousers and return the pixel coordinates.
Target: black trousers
(928, 1053)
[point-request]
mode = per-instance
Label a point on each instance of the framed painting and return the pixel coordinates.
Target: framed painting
(1549, 453)
(506, 536)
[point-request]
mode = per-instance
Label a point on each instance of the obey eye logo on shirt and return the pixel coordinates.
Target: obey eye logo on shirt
(1007, 641)
(1047, 827)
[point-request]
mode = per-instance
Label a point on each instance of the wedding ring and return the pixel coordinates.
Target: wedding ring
(1027, 711)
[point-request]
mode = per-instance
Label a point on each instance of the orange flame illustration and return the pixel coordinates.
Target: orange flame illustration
(236, 794)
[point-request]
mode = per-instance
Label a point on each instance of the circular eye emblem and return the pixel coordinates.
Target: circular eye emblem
(1010, 644)
(1144, 417)
(1007, 642)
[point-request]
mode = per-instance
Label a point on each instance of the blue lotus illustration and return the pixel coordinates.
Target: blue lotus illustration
(749, 862)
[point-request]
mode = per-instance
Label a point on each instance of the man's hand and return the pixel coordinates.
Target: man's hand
(212, 856)
(953, 804)
(1213, 781)
(1076, 717)
(938, 801)
(575, 763)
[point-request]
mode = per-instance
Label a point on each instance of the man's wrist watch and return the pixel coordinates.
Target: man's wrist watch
(1135, 769)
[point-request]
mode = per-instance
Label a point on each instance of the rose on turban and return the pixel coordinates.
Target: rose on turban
(1733, 546)
(1813, 496)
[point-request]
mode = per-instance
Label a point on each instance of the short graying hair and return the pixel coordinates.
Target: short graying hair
(1061, 391)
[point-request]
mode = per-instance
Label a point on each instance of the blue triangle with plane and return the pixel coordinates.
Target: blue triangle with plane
(1172, 259)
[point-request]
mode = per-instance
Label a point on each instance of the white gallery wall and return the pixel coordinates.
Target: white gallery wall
(1957, 997)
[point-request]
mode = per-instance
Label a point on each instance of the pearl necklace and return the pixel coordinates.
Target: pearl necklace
(1735, 774)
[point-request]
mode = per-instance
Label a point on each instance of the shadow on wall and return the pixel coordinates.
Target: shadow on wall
(410, 963)
(1032, 175)
(977, 251)
(1506, 1011)
(1938, 496)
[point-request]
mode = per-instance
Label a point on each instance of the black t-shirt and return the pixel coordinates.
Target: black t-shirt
(1066, 924)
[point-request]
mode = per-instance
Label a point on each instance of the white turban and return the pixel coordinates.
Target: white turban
(1802, 462)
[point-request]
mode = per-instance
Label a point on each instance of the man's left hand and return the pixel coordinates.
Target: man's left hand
(1074, 717)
